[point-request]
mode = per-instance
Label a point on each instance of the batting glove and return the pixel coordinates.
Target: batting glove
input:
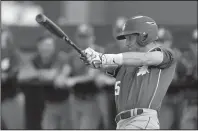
(92, 58)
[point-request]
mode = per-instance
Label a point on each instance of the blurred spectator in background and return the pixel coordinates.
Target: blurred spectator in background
(165, 38)
(187, 64)
(12, 100)
(35, 77)
(189, 106)
(193, 43)
(193, 54)
(85, 109)
(188, 118)
(56, 113)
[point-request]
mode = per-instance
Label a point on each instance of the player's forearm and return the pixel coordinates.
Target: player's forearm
(132, 58)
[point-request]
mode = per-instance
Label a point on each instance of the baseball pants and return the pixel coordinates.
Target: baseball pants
(147, 120)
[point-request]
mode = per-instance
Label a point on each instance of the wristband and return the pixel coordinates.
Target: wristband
(112, 59)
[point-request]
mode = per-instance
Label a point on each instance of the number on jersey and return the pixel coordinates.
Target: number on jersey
(117, 88)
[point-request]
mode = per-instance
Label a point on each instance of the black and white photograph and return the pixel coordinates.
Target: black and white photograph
(99, 65)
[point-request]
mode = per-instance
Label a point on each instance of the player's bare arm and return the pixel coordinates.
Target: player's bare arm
(127, 58)
(133, 58)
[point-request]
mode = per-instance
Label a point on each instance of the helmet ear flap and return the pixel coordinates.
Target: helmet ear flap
(142, 39)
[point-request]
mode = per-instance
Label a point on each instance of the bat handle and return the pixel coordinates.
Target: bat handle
(74, 46)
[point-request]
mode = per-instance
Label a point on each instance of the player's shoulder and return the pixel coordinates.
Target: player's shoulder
(173, 53)
(169, 57)
(169, 51)
(161, 48)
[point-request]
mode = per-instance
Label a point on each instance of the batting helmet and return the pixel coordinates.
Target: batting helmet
(145, 27)
(117, 29)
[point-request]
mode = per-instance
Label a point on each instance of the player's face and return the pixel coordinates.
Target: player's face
(46, 48)
(131, 43)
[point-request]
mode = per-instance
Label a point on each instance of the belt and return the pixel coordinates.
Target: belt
(128, 114)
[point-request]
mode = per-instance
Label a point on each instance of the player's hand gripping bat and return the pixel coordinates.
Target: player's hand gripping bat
(56, 30)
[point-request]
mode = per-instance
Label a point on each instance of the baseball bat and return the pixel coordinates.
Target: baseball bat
(56, 30)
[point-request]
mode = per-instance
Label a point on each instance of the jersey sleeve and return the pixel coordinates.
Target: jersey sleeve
(168, 58)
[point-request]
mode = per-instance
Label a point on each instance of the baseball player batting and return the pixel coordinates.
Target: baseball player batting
(143, 74)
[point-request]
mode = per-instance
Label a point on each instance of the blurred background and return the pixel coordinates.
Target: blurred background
(44, 85)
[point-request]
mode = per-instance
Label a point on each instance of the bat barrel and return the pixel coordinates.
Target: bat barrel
(56, 30)
(40, 18)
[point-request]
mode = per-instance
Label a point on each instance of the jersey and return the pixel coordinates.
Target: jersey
(113, 48)
(144, 87)
(51, 93)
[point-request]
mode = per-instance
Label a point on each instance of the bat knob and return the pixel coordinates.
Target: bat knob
(40, 18)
